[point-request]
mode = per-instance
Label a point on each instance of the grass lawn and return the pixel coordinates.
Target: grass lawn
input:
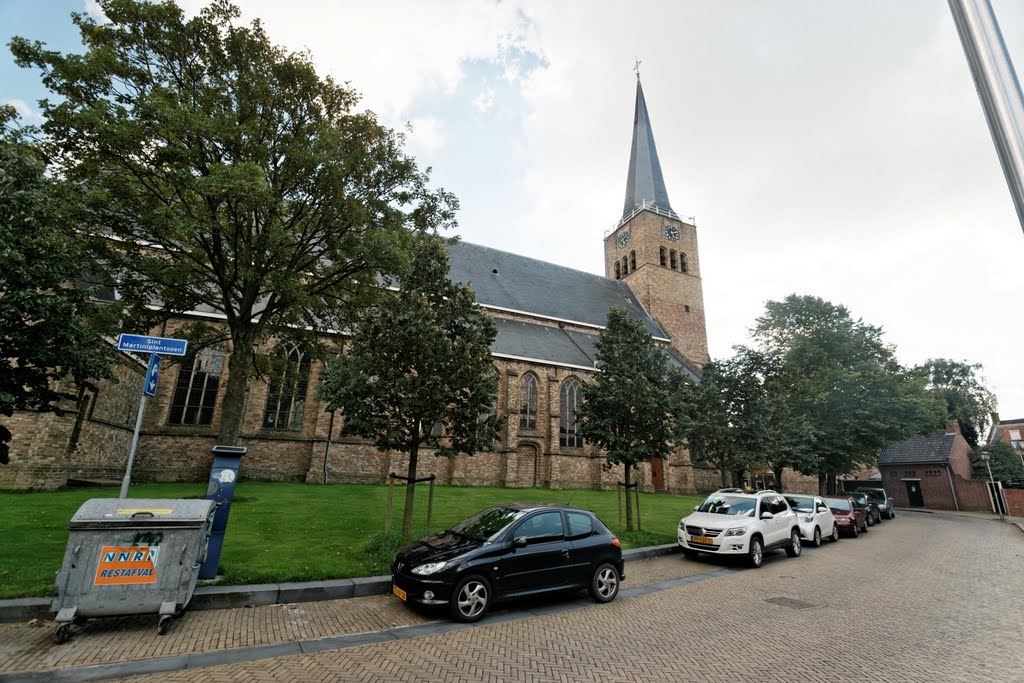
(281, 532)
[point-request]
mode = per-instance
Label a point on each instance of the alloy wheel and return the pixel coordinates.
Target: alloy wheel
(472, 599)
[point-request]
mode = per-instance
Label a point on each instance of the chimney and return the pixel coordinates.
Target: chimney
(952, 427)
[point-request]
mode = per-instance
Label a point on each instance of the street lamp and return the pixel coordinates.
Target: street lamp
(999, 508)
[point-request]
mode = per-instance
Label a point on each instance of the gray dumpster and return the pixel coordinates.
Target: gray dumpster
(131, 556)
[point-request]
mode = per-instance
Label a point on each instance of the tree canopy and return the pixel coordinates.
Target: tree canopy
(417, 370)
(49, 329)
(627, 409)
(960, 386)
(1005, 462)
(223, 174)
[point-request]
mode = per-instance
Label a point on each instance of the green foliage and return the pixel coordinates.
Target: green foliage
(49, 329)
(419, 358)
(961, 387)
(1005, 462)
(232, 176)
(626, 410)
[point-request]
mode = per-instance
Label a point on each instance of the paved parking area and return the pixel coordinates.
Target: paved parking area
(923, 598)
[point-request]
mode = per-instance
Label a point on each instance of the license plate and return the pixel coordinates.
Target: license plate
(702, 539)
(398, 591)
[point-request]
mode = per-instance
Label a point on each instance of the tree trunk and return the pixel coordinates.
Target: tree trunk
(777, 471)
(822, 485)
(410, 488)
(233, 405)
(723, 468)
(629, 500)
(737, 478)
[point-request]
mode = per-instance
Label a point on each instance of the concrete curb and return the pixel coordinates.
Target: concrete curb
(227, 597)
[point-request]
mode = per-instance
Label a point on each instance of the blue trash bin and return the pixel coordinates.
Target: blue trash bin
(223, 475)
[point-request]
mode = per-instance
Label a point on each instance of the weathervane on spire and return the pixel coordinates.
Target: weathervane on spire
(636, 68)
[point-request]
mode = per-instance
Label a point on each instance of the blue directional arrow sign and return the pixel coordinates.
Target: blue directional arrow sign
(152, 375)
(145, 344)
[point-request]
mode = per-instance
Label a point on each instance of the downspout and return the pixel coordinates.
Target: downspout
(327, 448)
(952, 489)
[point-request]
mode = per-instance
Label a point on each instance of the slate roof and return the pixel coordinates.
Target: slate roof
(919, 450)
(518, 283)
(645, 185)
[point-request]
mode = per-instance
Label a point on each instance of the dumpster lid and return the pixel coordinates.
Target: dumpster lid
(144, 510)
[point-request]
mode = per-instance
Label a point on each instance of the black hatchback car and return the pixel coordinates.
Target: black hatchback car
(509, 551)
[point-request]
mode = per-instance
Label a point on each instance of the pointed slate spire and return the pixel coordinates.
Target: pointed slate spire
(645, 186)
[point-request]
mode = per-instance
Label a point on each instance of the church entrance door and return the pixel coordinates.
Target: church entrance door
(658, 474)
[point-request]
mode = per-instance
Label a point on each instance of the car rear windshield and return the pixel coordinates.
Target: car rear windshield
(801, 504)
(487, 524)
(839, 504)
(729, 505)
(875, 495)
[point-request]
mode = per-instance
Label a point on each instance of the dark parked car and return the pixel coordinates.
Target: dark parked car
(506, 552)
(862, 499)
(850, 518)
(883, 500)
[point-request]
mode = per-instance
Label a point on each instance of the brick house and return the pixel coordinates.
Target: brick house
(548, 318)
(933, 472)
(1008, 431)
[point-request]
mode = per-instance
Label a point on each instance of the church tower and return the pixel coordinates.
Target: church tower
(654, 250)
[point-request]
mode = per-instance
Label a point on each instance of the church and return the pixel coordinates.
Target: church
(548, 318)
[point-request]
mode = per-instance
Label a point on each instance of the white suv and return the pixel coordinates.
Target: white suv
(740, 524)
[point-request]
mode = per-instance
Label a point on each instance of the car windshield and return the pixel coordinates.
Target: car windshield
(728, 505)
(801, 504)
(839, 504)
(487, 524)
(875, 495)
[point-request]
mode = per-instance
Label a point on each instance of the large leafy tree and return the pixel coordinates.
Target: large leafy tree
(227, 175)
(724, 416)
(1005, 462)
(419, 360)
(852, 393)
(627, 409)
(962, 389)
(49, 329)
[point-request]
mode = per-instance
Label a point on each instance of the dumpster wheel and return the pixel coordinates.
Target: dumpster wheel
(161, 627)
(62, 634)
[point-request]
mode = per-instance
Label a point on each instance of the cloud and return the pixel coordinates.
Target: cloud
(425, 134)
(25, 111)
(484, 101)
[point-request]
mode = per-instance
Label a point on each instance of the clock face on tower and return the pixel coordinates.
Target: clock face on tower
(624, 239)
(672, 232)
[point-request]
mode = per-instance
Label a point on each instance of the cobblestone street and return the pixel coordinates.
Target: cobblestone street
(924, 598)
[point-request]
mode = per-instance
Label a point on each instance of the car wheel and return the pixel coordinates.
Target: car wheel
(835, 532)
(866, 525)
(690, 554)
(794, 547)
(869, 519)
(756, 554)
(878, 518)
(470, 599)
(817, 538)
(604, 585)
(855, 530)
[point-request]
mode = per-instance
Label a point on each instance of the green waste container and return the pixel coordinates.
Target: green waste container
(131, 556)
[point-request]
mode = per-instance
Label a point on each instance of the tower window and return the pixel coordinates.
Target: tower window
(632, 260)
(625, 266)
(672, 258)
(661, 254)
(682, 262)
(618, 271)
(686, 308)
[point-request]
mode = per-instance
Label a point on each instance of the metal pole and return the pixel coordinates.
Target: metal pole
(131, 453)
(327, 448)
(998, 89)
(995, 494)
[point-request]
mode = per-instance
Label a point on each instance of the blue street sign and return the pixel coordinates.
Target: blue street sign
(152, 375)
(145, 344)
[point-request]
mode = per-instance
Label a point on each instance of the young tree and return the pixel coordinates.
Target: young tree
(627, 409)
(49, 329)
(961, 387)
(226, 174)
(419, 358)
(1005, 462)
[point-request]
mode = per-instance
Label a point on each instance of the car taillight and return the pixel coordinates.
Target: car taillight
(615, 542)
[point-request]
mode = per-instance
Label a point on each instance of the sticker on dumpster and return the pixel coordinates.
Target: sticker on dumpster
(132, 564)
(152, 511)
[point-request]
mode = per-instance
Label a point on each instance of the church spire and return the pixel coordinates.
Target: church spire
(645, 186)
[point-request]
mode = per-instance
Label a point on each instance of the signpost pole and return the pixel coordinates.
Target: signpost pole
(135, 444)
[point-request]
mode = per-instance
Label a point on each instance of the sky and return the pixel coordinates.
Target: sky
(823, 148)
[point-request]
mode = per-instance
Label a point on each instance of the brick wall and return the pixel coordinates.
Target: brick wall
(972, 494)
(1015, 502)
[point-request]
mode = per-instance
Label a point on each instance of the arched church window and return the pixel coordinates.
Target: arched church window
(625, 266)
(569, 398)
(286, 399)
(195, 394)
(672, 258)
(682, 262)
(661, 255)
(528, 402)
(632, 260)
(618, 271)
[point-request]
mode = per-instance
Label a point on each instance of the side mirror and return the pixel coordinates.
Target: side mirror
(767, 515)
(696, 507)
(822, 508)
(519, 542)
